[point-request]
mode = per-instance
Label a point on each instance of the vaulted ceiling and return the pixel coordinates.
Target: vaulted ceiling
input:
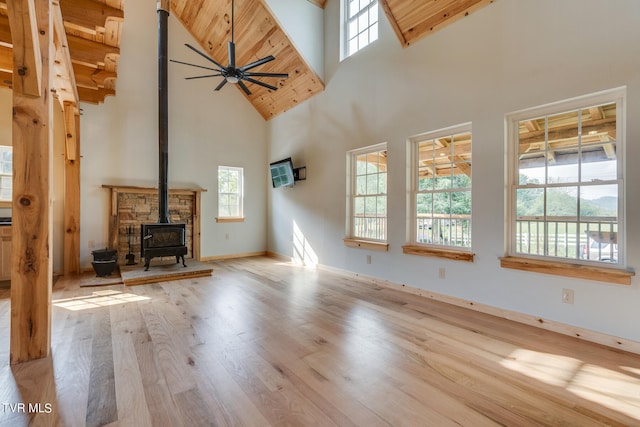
(90, 45)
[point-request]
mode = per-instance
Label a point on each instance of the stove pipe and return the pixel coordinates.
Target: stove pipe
(163, 113)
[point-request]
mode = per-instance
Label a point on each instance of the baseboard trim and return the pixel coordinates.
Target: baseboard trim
(279, 257)
(232, 256)
(538, 322)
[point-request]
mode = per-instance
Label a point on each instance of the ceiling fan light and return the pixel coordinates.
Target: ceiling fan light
(232, 79)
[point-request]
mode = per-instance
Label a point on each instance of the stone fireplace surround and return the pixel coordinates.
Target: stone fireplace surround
(134, 206)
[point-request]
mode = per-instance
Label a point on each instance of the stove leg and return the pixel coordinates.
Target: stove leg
(147, 261)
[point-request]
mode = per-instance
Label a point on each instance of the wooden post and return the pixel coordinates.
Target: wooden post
(31, 274)
(72, 190)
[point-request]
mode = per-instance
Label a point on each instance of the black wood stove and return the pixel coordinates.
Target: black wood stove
(160, 240)
(163, 238)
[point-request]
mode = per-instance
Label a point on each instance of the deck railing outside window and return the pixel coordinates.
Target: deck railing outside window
(594, 240)
(446, 230)
(370, 227)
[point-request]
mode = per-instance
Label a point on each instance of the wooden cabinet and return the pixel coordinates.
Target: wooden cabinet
(5, 252)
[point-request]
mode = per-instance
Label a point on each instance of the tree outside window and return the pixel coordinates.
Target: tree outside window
(230, 192)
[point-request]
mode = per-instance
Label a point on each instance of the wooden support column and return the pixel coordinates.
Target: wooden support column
(27, 68)
(31, 273)
(72, 190)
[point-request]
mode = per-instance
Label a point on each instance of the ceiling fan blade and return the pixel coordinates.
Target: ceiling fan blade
(232, 54)
(194, 65)
(257, 63)
(268, 86)
(280, 75)
(203, 77)
(244, 87)
(204, 55)
(222, 83)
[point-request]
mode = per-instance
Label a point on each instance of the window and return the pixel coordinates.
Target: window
(361, 24)
(367, 193)
(566, 193)
(230, 192)
(6, 173)
(441, 188)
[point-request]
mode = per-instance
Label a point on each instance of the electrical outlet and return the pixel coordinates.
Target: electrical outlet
(442, 273)
(368, 259)
(567, 296)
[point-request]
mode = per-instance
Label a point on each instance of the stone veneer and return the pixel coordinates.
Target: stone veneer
(133, 207)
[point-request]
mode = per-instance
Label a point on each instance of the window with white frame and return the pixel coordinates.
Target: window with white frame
(230, 192)
(441, 188)
(367, 180)
(566, 193)
(6, 173)
(361, 24)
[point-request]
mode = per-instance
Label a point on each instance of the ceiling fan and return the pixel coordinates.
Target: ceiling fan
(232, 73)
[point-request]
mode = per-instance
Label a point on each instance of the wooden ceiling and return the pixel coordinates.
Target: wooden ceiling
(88, 42)
(257, 35)
(560, 139)
(412, 20)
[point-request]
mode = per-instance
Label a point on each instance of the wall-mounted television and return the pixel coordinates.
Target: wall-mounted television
(282, 173)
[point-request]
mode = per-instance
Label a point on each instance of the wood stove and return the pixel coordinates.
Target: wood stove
(159, 240)
(163, 238)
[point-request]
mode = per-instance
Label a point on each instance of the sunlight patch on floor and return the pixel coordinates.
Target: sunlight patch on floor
(303, 253)
(612, 389)
(98, 299)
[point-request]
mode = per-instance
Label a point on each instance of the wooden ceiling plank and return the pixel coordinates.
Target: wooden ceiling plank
(27, 62)
(5, 31)
(88, 13)
(6, 59)
(569, 131)
(458, 11)
(94, 96)
(384, 4)
(89, 52)
(257, 35)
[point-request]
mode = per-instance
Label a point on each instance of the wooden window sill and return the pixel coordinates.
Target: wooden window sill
(438, 253)
(366, 244)
(230, 219)
(567, 269)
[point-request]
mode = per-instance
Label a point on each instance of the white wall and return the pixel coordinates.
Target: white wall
(508, 56)
(304, 24)
(119, 139)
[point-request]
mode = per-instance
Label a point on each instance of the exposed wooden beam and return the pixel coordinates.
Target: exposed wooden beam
(27, 77)
(94, 96)
(88, 13)
(71, 190)
(91, 53)
(31, 272)
(64, 78)
(569, 131)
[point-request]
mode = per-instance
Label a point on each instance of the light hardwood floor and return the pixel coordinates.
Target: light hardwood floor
(264, 343)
